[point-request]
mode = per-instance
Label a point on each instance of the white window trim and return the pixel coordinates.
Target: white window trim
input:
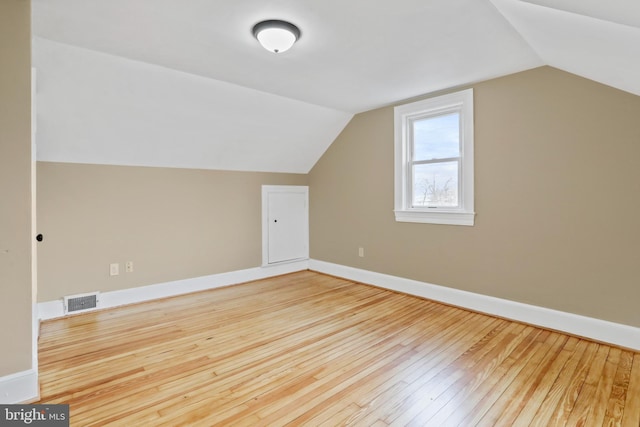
(404, 211)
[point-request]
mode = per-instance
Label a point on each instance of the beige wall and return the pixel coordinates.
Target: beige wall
(557, 183)
(172, 223)
(15, 186)
(557, 196)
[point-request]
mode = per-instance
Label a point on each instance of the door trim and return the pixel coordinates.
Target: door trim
(266, 189)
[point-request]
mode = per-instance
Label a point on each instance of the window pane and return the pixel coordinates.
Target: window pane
(436, 137)
(435, 185)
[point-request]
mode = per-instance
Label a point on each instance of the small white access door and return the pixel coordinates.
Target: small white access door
(285, 223)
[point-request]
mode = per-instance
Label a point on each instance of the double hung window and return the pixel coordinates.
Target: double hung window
(434, 160)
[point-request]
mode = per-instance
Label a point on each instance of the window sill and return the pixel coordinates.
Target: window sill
(439, 217)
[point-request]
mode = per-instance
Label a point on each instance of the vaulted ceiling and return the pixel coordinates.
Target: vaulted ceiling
(183, 83)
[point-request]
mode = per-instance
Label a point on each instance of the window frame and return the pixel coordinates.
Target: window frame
(404, 115)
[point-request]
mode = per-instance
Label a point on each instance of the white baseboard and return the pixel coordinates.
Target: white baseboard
(19, 388)
(599, 330)
(54, 309)
(587, 327)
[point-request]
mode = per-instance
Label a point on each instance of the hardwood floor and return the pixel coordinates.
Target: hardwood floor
(309, 349)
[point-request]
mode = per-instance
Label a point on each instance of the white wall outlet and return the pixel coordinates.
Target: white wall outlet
(114, 269)
(361, 252)
(129, 267)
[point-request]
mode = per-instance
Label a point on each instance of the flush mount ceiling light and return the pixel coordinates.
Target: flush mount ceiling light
(276, 36)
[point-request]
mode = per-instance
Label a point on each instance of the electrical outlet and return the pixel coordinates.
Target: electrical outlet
(114, 269)
(129, 267)
(361, 252)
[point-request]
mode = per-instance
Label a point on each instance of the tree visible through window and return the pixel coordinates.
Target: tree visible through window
(436, 161)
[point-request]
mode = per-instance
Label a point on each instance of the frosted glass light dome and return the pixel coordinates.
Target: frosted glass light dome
(276, 36)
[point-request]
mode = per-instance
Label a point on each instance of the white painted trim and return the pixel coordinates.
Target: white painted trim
(266, 190)
(54, 309)
(50, 309)
(35, 334)
(600, 330)
(35, 322)
(404, 115)
(20, 387)
(440, 217)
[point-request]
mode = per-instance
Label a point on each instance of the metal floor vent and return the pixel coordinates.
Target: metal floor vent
(75, 303)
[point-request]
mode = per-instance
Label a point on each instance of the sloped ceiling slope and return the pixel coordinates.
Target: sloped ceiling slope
(103, 109)
(185, 84)
(599, 40)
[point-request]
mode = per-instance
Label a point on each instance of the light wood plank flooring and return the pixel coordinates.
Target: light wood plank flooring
(309, 349)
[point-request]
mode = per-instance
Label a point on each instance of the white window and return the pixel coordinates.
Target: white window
(434, 160)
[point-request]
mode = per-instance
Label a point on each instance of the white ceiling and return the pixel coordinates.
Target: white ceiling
(596, 39)
(100, 109)
(353, 56)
